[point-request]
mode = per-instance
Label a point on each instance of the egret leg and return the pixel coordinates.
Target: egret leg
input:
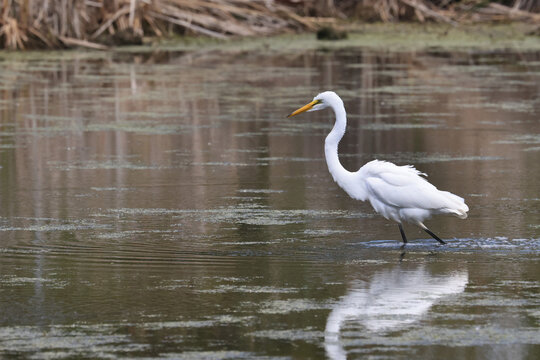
(434, 236)
(402, 234)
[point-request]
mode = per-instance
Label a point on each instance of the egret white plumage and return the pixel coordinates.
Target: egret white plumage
(398, 193)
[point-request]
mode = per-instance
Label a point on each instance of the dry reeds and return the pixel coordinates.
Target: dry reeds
(57, 23)
(447, 11)
(98, 23)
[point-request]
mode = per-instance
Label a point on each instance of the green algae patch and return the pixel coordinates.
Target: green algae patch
(388, 126)
(11, 280)
(249, 214)
(221, 289)
(515, 106)
(292, 306)
(521, 139)
(422, 157)
(48, 224)
(103, 165)
(310, 335)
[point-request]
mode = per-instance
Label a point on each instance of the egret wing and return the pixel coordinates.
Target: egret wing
(404, 190)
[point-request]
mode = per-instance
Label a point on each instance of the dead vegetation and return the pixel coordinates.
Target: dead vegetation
(100, 23)
(448, 11)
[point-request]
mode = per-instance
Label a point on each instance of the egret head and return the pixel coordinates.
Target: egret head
(321, 101)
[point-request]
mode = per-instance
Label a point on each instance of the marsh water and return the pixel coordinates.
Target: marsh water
(160, 204)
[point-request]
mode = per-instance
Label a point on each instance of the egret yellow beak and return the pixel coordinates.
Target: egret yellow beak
(304, 108)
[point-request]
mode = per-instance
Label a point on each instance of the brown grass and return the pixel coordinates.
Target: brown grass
(98, 23)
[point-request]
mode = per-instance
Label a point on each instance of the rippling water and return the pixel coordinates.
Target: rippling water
(161, 205)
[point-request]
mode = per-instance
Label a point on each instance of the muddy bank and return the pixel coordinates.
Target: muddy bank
(390, 37)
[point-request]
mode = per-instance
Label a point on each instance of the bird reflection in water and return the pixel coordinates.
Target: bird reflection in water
(391, 301)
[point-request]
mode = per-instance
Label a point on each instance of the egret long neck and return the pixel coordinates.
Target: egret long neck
(331, 145)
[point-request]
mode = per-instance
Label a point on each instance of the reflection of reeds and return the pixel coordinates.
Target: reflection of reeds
(92, 23)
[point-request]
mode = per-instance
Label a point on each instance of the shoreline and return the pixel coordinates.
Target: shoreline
(379, 36)
(384, 36)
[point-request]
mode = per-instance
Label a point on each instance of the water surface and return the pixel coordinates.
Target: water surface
(161, 205)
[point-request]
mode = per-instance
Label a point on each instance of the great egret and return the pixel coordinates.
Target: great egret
(398, 193)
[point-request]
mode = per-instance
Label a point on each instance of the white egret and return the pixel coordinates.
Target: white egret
(398, 193)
